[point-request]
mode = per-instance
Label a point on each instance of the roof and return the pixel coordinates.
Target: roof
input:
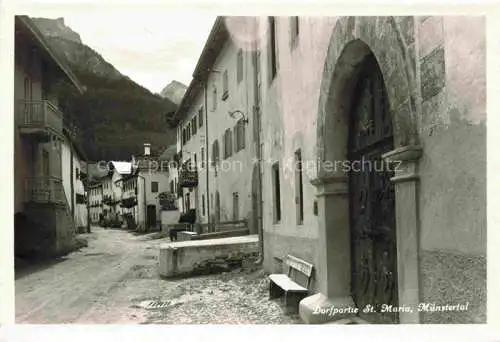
(213, 46)
(123, 168)
(25, 24)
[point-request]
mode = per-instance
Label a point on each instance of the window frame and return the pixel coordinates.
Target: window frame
(157, 187)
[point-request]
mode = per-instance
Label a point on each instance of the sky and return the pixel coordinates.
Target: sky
(151, 47)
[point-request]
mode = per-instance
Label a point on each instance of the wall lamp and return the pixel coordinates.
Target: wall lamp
(233, 113)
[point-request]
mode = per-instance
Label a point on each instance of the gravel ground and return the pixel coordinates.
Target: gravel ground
(115, 280)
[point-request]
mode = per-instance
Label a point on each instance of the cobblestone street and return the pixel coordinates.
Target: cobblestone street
(115, 280)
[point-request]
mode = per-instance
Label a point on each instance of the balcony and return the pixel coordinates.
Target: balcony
(39, 118)
(44, 190)
(188, 177)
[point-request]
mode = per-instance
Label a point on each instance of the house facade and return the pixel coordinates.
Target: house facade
(334, 97)
(152, 179)
(95, 202)
(44, 223)
(214, 132)
(73, 174)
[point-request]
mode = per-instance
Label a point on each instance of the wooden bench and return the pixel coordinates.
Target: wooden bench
(283, 284)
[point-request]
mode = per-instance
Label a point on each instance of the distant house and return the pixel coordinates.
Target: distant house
(112, 191)
(152, 180)
(73, 173)
(43, 221)
(169, 200)
(95, 195)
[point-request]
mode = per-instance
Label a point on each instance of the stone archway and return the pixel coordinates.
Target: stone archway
(352, 40)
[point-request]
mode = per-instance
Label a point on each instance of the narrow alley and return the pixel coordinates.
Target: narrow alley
(115, 280)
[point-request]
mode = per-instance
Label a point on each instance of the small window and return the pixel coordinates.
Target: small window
(154, 186)
(276, 193)
(200, 117)
(203, 204)
(194, 125)
(239, 136)
(225, 86)
(239, 66)
(272, 52)
(202, 153)
(214, 99)
(215, 153)
(77, 173)
(228, 143)
(294, 23)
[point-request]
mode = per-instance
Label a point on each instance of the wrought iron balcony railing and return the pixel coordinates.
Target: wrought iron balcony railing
(188, 177)
(44, 190)
(39, 117)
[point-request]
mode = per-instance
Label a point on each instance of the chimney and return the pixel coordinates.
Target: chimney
(147, 149)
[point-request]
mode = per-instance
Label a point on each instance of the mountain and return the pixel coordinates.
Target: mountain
(115, 115)
(174, 91)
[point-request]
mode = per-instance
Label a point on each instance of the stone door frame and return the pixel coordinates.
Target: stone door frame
(354, 38)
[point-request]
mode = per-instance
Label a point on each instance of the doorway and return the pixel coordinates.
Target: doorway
(151, 216)
(372, 198)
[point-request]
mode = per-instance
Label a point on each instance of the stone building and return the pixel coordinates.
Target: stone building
(44, 224)
(337, 96)
(218, 104)
(151, 181)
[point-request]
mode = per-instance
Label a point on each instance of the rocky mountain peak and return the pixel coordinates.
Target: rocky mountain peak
(56, 28)
(174, 92)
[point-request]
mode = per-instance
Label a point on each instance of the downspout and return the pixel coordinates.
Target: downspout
(257, 112)
(207, 164)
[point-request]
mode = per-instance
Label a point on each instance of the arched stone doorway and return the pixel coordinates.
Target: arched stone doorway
(354, 41)
(371, 197)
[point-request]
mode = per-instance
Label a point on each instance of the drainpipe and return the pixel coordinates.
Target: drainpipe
(145, 204)
(260, 219)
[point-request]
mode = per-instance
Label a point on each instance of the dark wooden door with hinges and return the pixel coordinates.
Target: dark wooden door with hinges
(372, 199)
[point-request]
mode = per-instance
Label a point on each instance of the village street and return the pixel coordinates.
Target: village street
(112, 280)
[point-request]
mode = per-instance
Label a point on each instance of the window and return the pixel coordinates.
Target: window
(194, 125)
(294, 26)
(200, 117)
(228, 143)
(202, 153)
(299, 194)
(172, 186)
(239, 136)
(225, 90)
(77, 173)
(203, 204)
(154, 186)
(276, 193)
(188, 131)
(214, 99)
(236, 206)
(273, 65)
(239, 66)
(195, 161)
(184, 136)
(215, 153)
